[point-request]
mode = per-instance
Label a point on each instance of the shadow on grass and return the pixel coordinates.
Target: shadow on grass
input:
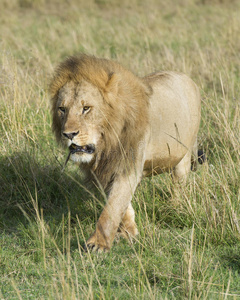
(230, 257)
(24, 182)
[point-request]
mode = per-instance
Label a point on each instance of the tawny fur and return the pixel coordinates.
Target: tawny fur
(139, 127)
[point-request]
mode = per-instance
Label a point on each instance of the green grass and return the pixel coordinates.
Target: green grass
(189, 241)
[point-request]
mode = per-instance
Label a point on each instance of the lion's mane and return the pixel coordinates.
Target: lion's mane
(125, 110)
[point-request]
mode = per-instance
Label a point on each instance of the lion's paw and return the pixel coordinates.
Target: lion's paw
(94, 244)
(95, 248)
(129, 232)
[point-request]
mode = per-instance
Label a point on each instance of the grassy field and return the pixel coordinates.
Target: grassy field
(189, 242)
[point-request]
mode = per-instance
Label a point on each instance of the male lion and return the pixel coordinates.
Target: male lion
(120, 127)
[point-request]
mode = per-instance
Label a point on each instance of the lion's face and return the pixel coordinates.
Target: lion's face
(80, 114)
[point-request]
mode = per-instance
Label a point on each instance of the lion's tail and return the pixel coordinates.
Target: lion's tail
(199, 158)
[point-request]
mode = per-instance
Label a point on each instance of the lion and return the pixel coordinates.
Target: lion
(119, 128)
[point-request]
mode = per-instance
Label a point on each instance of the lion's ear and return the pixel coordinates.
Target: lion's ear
(112, 84)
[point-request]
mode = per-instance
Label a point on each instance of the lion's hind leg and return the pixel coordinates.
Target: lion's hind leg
(194, 158)
(181, 170)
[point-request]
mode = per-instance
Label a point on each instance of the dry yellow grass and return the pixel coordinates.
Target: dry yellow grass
(189, 242)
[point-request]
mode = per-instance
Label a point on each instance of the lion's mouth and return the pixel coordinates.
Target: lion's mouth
(89, 149)
(73, 148)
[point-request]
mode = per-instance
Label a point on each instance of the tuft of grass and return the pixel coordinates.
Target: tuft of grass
(189, 240)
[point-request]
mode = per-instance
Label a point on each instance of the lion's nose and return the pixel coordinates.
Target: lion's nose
(70, 135)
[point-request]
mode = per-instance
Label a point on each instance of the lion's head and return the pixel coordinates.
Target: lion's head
(99, 112)
(79, 105)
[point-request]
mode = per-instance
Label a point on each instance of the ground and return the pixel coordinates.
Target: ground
(189, 241)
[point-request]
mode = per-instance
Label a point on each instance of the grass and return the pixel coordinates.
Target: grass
(189, 242)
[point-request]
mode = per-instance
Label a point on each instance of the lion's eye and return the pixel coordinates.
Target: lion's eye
(62, 109)
(86, 109)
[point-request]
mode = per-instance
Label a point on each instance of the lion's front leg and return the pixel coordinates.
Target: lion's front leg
(117, 205)
(128, 227)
